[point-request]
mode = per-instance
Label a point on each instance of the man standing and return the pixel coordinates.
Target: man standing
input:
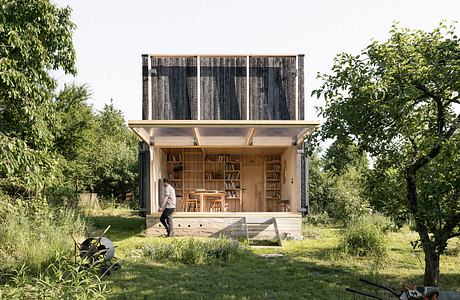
(168, 207)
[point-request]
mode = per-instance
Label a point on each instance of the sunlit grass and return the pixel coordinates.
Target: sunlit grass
(309, 269)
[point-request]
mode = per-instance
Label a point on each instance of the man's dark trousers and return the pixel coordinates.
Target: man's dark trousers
(167, 221)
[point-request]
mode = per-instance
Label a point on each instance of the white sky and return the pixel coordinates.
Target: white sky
(112, 35)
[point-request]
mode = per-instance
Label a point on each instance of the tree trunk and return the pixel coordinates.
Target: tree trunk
(431, 276)
(431, 266)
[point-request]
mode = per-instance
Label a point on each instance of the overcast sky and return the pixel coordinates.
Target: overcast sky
(111, 35)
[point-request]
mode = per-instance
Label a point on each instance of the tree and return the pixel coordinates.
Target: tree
(336, 182)
(35, 37)
(75, 136)
(396, 100)
(113, 159)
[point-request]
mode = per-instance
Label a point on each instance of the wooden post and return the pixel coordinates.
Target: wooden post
(145, 86)
(247, 87)
(307, 182)
(149, 89)
(298, 178)
(198, 88)
(301, 89)
(297, 87)
(152, 205)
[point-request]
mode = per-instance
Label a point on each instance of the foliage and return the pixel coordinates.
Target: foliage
(62, 279)
(194, 251)
(396, 100)
(365, 237)
(100, 151)
(32, 42)
(114, 158)
(336, 184)
(31, 232)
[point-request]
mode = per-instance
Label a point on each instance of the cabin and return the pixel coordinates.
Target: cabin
(228, 130)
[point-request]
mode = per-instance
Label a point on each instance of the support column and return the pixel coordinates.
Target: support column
(152, 205)
(298, 181)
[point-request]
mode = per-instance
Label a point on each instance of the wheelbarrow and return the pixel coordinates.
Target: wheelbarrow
(409, 293)
(97, 252)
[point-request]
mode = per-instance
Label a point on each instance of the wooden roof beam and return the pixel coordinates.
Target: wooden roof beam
(250, 136)
(196, 136)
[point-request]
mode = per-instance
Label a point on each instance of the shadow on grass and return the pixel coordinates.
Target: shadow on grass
(251, 277)
(120, 227)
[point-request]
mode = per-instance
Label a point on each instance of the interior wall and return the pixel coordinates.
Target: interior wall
(288, 187)
(158, 172)
(252, 173)
(253, 183)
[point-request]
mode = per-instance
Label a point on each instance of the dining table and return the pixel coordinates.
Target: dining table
(203, 194)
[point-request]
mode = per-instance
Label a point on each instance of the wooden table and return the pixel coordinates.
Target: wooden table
(204, 194)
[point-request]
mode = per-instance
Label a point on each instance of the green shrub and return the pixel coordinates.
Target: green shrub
(194, 250)
(322, 218)
(385, 224)
(452, 249)
(62, 279)
(364, 238)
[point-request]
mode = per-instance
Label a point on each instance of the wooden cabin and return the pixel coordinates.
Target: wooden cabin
(229, 131)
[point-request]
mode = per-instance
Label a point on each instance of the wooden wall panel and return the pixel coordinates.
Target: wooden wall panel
(272, 88)
(145, 74)
(223, 88)
(174, 88)
(301, 74)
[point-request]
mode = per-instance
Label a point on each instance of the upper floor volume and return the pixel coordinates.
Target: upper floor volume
(223, 87)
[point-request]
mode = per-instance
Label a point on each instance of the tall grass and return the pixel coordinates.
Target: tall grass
(194, 250)
(32, 233)
(36, 253)
(366, 237)
(60, 280)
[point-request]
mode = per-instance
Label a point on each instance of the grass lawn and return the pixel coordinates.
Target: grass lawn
(309, 269)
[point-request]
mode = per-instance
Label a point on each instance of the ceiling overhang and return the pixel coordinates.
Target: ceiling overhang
(223, 133)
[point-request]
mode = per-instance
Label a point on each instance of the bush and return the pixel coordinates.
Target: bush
(60, 280)
(364, 238)
(31, 232)
(194, 251)
(322, 218)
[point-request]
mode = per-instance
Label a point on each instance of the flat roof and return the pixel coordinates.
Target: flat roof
(223, 133)
(172, 55)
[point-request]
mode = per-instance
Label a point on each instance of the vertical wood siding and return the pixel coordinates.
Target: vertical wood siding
(174, 88)
(223, 88)
(272, 88)
(301, 75)
(145, 74)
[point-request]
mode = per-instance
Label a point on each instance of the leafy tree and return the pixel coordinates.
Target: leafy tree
(114, 157)
(336, 183)
(35, 37)
(75, 136)
(396, 100)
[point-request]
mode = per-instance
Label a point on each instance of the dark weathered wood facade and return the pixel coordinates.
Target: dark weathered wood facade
(210, 87)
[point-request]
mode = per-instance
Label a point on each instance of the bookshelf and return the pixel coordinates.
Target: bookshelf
(272, 184)
(174, 170)
(191, 169)
(232, 182)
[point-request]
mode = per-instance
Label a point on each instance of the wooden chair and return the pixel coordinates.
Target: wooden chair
(192, 201)
(283, 205)
(217, 204)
